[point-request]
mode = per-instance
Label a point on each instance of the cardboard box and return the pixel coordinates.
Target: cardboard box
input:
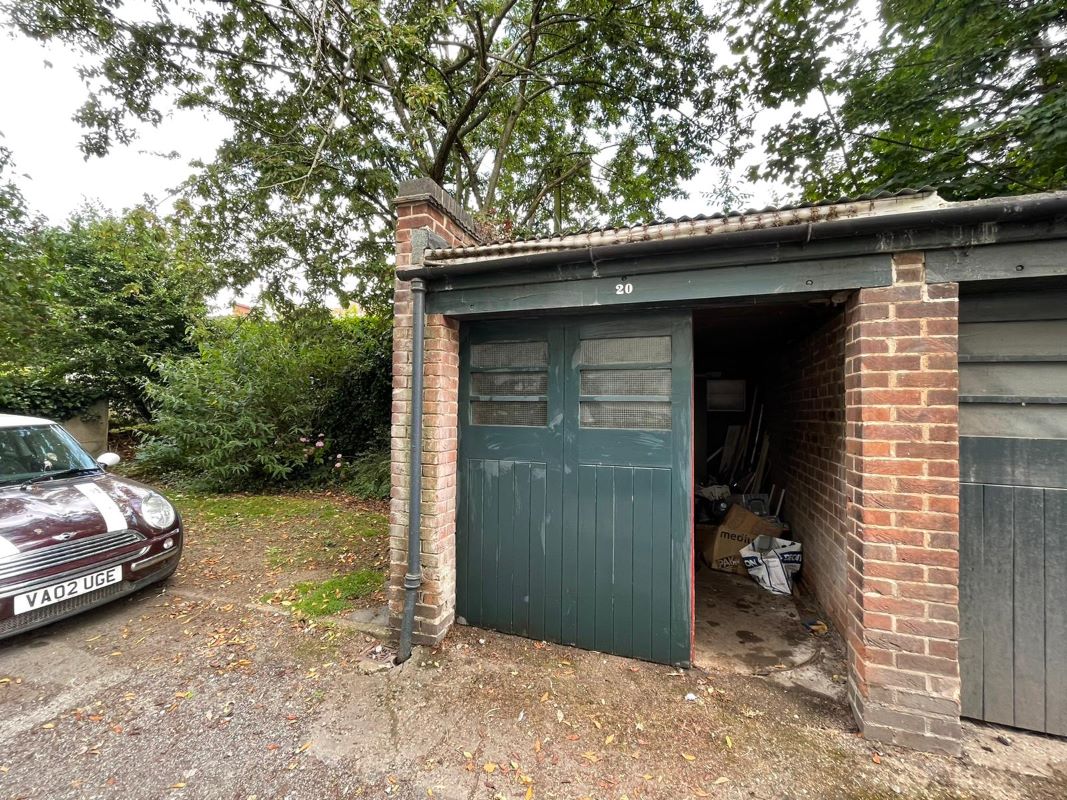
(722, 543)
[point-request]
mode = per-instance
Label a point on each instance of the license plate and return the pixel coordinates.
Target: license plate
(39, 598)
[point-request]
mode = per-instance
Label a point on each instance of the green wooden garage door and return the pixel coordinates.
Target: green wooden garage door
(574, 518)
(1013, 509)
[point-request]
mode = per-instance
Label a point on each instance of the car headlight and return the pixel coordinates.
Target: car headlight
(156, 511)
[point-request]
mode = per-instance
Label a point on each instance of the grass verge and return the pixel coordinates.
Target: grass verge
(331, 596)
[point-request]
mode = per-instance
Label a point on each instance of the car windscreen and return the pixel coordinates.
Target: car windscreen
(37, 451)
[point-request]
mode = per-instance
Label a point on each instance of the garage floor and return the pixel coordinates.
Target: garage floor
(742, 628)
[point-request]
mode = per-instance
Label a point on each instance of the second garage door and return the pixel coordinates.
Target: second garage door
(1013, 509)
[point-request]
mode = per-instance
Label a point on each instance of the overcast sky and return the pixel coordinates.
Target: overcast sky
(37, 102)
(36, 106)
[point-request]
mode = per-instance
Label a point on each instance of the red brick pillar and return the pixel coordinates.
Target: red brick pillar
(902, 484)
(423, 204)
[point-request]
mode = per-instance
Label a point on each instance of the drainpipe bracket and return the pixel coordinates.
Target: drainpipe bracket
(412, 581)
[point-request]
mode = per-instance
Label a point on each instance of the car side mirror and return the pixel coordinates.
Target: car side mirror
(108, 459)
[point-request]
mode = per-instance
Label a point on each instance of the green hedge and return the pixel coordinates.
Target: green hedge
(266, 402)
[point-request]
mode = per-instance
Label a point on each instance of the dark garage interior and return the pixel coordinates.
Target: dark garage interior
(769, 439)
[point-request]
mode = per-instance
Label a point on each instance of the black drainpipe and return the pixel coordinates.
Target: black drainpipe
(413, 578)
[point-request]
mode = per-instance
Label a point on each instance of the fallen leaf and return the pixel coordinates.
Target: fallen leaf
(609, 738)
(529, 793)
(537, 746)
(729, 743)
(688, 757)
(590, 756)
(721, 780)
(544, 697)
(877, 759)
(698, 792)
(304, 747)
(179, 785)
(489, 767)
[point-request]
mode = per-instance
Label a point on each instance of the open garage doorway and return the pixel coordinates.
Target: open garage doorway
(769, 458)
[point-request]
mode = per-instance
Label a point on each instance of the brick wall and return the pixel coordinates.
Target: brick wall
(423, 204)
(902, 484)
(807, 413)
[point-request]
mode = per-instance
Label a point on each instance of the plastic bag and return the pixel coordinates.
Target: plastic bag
(773, 562)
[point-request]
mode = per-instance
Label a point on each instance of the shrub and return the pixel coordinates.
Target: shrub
(369, 475)
(265, 402)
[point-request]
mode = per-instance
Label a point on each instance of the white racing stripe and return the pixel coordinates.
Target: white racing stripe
(108, 508)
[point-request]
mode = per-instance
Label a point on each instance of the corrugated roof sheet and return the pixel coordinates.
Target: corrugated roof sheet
(685, 226)
(878, 195)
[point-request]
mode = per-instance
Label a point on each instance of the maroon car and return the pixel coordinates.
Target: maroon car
(72, 536)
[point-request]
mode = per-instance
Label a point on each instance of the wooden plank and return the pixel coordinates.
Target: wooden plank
(1012, 306)
(561, 566)
(662, 521)
(462, 537)
(491, 531)
(1029, 608)
(643, 578)
(729, 449)
(1015, 422)
(475, 491)
(971, 604)
(622, 584)
(1055, 603)
(585, 635)
(1031, 379)
(1025, 338)
(996, 262)
(998, 651)
(539, 527)
(505, 559)
(520, 551)
(605, 558)
(757, 279)
(1013, 462)
(561, 569)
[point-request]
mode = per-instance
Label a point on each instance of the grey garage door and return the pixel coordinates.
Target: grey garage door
(574, 518)
(1013, 507)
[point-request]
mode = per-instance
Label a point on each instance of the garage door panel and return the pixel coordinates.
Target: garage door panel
(997, 580)
(972, 635)
(643, 576)
(1029, 607)
(1014, 421)
(1055, 649)
(604, 578)
(586, 547)
(622, 560)
(1008, 461)
(1030, 339)
(491, 530)
(1026, 380)
(666, 636)
(537, 552)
